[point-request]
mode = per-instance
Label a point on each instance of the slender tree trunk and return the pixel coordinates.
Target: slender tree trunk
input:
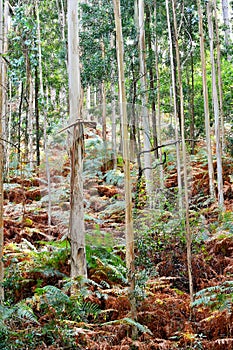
(152, 87)
(176, 120)
(206, 104)
(161, 173)
(77, 231)
(128, 198)
(1, 168)
(216, 107)
(9, 129)
(186, 197)
(30, 120)
(29, 115)
(45, 112)
(220, 92)
(227, 26)
(114, 135)
(88, 97)
(37, 117)
(103, 95)
(144, 99)
(5, 115)
(21, 93)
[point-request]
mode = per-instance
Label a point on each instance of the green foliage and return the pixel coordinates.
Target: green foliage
(30, 266)
(74, 307)
(106, 262)
(218, 297)
(114, 177)
(132, 323)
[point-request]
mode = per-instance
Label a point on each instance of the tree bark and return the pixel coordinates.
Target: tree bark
(186, 197)
(1, 169)
(220, 92)
(206, 103)
(128, 197)
(178, 158)
(216, 107)
(227, 26)
(76, 226)
(144, 99)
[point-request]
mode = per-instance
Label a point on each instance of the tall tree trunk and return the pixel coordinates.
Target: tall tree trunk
(1, 168)
(152, 87)
(220, 92)
(29, 114)
(144, 99)
(37, 117)
(206, 103)
(114, 135)
(21, 94)
(128, 197)
(227, 26)
(186, 198)
(176, 120)
(30, 119)
(161, 173)
(88, 97)
(76, 228)
(5, 115)
(45, 112)
(216, 107)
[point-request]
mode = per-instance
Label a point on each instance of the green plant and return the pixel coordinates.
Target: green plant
(114, 177)
(130, 322)
(218, 297)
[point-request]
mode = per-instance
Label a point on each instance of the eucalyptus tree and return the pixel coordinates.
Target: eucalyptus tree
(219, 79)
(215, 99)
(130, 257)
(1, 164)
(206, 102)
(30, 57)
(174, 94)
(228, 35)
(184, 152)
(144, 99)
(76, 226)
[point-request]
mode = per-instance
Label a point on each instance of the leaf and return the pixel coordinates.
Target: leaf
(131, 322)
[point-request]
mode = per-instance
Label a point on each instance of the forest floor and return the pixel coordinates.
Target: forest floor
(165, 318)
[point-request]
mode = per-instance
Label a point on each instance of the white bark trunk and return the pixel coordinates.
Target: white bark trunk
(144, 99)
(220, 92)
(30, 121)
(216, 107)
(227, 25)
(1, 166)
(161, 172)
(206, 104)
(77, 231)
(128, 197)
(176, 121)
(186, 197)
(6, 124)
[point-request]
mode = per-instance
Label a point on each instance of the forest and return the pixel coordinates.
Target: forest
(116, 174)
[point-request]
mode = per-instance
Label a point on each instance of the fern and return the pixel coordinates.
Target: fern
(217, 297)
(130, 322)
(83, 309)
(24, 312)
(20, 310)
(54, 297)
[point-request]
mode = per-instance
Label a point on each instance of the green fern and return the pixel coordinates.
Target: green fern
(130, 322)
(82, 310)
(217, 297)
(24, 312)
(20, 311)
